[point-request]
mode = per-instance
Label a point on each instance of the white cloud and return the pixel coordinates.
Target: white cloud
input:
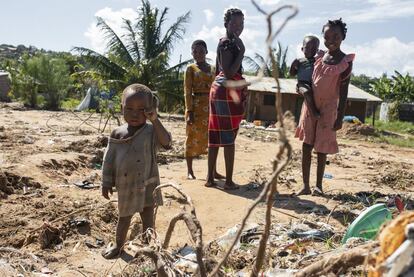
(209, 15)
(269, 2)
(382, 55)
(383, 10)
(114, 19)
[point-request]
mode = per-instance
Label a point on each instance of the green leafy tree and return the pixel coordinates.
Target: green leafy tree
(41, 75)
(140, 55)
(279, 54)
(363, 81)
(397, 88)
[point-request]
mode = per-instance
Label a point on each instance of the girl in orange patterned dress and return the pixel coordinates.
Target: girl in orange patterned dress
(197, 82)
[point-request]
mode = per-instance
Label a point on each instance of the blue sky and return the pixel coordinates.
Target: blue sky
(379, 31)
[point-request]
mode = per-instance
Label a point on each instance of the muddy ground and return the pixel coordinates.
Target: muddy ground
(50, 172)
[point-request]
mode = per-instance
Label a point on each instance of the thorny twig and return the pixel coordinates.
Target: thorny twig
(285, 149)
(192, 223)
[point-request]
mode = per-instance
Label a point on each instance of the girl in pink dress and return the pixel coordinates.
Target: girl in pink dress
(330, 80)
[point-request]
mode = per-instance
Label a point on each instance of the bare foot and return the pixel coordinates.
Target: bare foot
(231, 186)
(304, 191)
(218, 176)
(111, 251)
(190, 175)
(318, 190)
(210, 184)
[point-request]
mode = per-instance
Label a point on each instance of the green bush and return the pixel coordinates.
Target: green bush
(70, 104)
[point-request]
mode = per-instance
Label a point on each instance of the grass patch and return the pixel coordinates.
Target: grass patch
(401, 127)
(70, 104)
(398, 133)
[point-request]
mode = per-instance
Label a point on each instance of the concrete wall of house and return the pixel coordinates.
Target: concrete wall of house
(4, 88)
(261, 106)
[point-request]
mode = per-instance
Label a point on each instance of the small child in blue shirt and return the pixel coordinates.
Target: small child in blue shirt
(303, 69)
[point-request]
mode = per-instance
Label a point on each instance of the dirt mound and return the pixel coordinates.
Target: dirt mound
(67, 167)
(87, 146)
(11, 183)
(351, 129)
(397, 178)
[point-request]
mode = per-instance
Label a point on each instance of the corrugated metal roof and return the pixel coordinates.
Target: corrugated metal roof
(4, 73)
(268, 84)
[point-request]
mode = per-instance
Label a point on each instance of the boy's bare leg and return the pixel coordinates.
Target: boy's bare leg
(229, 152)
(147, 217)
(320, 170)
(306, 165)
(121, 233)
(212, 159)
(190, 172)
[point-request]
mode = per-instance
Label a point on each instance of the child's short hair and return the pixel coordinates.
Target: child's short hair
(136, 89)
(229, 13)
(199, 42)
(310, 38)
(338, 23)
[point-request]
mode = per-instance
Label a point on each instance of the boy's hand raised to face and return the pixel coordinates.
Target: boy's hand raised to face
(106, 192)
(151, 114)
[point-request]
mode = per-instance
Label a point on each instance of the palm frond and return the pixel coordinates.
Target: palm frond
(115, 43)
(253, 65)
(132, 43)
(100, 63)
(175, 32)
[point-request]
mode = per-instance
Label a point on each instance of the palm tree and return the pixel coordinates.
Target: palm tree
(141, 54)
(259, 61)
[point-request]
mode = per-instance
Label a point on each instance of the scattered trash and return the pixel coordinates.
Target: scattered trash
(351, 119)
(78, 222)
(311, 234)
(327, 176)
(85, 185)
(367, 224)
(227, 239)
(399, 204)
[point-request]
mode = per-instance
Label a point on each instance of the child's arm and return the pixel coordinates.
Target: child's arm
(294, 68)
(161, 133)
(188, 84)
(107, 169)
(343, 95)
(230, 64)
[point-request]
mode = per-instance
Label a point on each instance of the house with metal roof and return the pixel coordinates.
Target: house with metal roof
(4, 86)
(262, 96)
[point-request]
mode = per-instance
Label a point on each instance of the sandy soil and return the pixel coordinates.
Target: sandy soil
(44, 153)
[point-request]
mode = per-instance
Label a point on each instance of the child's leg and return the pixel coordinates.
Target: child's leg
(147, 217)
(229, 152)
(212, 159)
(321, 170)
(121, 233)
(190, 173)
(306, 165)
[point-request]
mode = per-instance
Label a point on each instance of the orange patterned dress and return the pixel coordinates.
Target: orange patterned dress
(326, 80)
(197, 85)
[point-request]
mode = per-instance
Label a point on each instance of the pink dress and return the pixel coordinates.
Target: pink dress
(326, 80)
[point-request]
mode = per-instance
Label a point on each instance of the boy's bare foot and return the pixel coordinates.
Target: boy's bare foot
(210, 184)
(218, 176)
(231, 186)
(304, 191)
(318, 190)
(191, 176)
(111, 251)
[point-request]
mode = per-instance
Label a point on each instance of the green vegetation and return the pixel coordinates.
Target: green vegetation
(40, 81)
(139, 56)
(279, 54)
(397, 133)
